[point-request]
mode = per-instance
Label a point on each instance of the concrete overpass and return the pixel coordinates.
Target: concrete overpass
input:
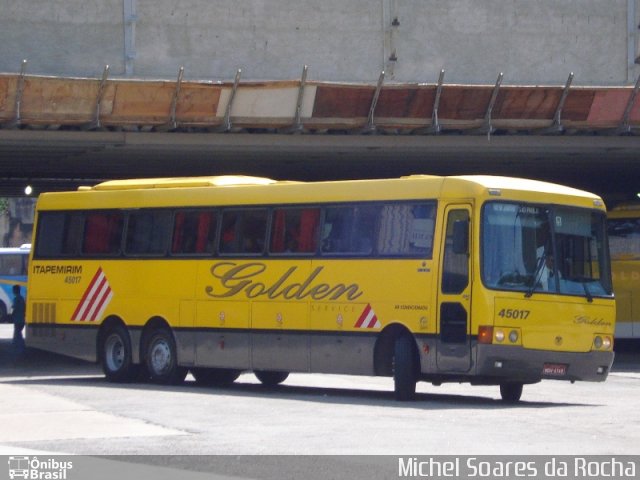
(53, 160)
(534, 42)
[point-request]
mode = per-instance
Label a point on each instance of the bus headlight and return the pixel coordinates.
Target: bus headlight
(602, 342)
(500, 335)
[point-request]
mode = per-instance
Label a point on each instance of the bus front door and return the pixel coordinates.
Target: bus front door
(453, 350)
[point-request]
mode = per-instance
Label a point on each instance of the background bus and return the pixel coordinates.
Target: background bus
(624, 242)
(14, 264)
(418, 278)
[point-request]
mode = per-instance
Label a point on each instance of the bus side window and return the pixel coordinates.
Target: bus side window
(243, 231)
(12, 264)
(59, 234)
(4, 265)
(406, 229)
(25, 264)
(193, 232)
(294, 230)
(102, 233)
(147, 232)
(350, 230)
(455, 274)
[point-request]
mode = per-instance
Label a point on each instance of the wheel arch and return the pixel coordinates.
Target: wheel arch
(107, 325)
(168, 371)
(122, 369)
(154, 323)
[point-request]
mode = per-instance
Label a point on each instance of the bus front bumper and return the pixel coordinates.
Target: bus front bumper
(530, 366)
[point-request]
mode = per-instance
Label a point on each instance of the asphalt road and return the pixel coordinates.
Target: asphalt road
(56, 405)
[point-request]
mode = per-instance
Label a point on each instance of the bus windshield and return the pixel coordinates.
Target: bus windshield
(536, 248)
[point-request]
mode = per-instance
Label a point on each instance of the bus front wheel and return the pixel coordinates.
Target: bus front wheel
(117, 363)
(162, 358)
(511, 392)
(270, 378)
(404, 369)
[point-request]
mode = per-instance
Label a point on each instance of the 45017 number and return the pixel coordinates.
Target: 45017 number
(514, 313)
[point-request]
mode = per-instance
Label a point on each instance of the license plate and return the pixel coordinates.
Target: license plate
(554, 369)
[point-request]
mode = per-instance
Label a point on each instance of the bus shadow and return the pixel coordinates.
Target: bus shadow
(424, 401)
(34, 362)
(314, 394)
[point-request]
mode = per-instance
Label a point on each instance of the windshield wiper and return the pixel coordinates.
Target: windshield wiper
(583, 282)
(586, 291)
(536, 274)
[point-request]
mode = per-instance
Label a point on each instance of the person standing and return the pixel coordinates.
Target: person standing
(18, 314)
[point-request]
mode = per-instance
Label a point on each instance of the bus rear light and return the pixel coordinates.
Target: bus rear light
(485, 334)
(499, 336)
(513, 336)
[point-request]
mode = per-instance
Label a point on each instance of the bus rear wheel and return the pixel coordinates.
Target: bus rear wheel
(116, 359)
(511, 392)
(215, 376)
(162, 358)
(270, 378)
(404, 369)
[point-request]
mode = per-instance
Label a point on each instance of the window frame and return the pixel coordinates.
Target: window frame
(124, 242)
(221, 226)
(218, 212)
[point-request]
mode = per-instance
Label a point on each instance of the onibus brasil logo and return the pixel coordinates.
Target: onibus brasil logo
(33, 468)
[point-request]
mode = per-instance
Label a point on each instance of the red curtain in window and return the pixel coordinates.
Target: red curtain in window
(178, 233)
(278, 235)
(204, 225)
(92, 231)
(308, 227)
(96, 234)
(102, 231)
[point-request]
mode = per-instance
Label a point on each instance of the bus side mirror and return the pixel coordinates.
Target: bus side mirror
(461, 237)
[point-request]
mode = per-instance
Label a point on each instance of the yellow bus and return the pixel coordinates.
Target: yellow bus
(624, 243)
(440, 279)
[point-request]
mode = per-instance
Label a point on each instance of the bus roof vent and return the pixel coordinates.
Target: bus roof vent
(421, 175)
(181, 182)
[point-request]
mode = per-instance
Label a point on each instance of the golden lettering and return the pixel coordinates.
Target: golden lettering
(235, 279)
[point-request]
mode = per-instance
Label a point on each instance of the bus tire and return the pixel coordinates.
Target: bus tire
(404, 369)
(215, 376)
(270, 378)
(511, 392)
(115, 355)
(161, 358)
